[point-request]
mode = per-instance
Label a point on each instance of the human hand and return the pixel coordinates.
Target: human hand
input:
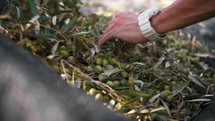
(124, 27)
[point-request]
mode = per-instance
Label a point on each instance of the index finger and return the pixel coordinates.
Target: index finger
(105, 37)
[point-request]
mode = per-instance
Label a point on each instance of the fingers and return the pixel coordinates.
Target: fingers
(106, 36)
(110, 27)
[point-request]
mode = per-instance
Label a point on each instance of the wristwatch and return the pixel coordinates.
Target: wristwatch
(145, 25)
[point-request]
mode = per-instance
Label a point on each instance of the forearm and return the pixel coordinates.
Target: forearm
(183, 13)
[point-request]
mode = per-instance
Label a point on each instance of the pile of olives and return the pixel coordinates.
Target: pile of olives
(156, 81)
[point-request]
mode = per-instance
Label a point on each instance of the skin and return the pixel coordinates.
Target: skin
(180, 14)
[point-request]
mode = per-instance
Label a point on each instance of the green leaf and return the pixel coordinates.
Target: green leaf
(112, 71)
(121, 88)
(195, 81)
(65, 27)
(135, 59)
(158, 63)
(32, 7)
(54, 48)
(167, 108)
(180, 88)
(200, 100)
(132, 93)
(157, 109)
(154, 98)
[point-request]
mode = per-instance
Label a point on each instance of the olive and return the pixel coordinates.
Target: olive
(170, 98)
(98, 61)
(173, 83)
(118, 106)
(124, 82)
(102, 77)
(166, 87)
(109, 67)
(89, 69)
(99, 68)
(124, 74)
(130, 68)
(68, 43)
(104, 62)
(29, 44)
(73, 48)
(99, 97)
(66, 70)
(110, 83)
(92, 91)
(151, 91)
(71, 59)
(113, 61)
(64, 53)
(116, 83)
(69, 77)
(56, 68)
(165, 93)
(185, 112)
(63, 47)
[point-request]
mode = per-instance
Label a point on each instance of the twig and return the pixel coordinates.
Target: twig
(102, 85)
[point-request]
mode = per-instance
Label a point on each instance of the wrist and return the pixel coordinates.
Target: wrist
(158, 24)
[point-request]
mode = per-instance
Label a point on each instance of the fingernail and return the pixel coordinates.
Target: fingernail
(97, 49)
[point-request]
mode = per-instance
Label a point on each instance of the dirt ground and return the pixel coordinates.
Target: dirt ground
(112, 6)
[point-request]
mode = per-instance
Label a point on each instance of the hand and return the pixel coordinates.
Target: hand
(124, 27)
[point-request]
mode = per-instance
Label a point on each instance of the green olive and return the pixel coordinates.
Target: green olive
(78, 69)
(68, 43)
(166, 87)
(116, 83)
(73, 48)
(56, 68)
(122, 65)
(64, 53)
(118, 106)
(173, 83)
(99, 97)
(113, 61)
(110, 83)
(98, 61)
(170, 98)
(88, 60)
(89, 69)
(71, 59)
(63, 47)
(130, 68)
(29, 44)
(99, 68)
(104, 62)
(102, 77)
(92, 91)
(69, 77)
(124, 74)
(185, 112)
(124, 82)
(66, 70)
(109, 67)
(165, 93)
(151, 91)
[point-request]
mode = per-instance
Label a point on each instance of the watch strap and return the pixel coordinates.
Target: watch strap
(145, 25)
